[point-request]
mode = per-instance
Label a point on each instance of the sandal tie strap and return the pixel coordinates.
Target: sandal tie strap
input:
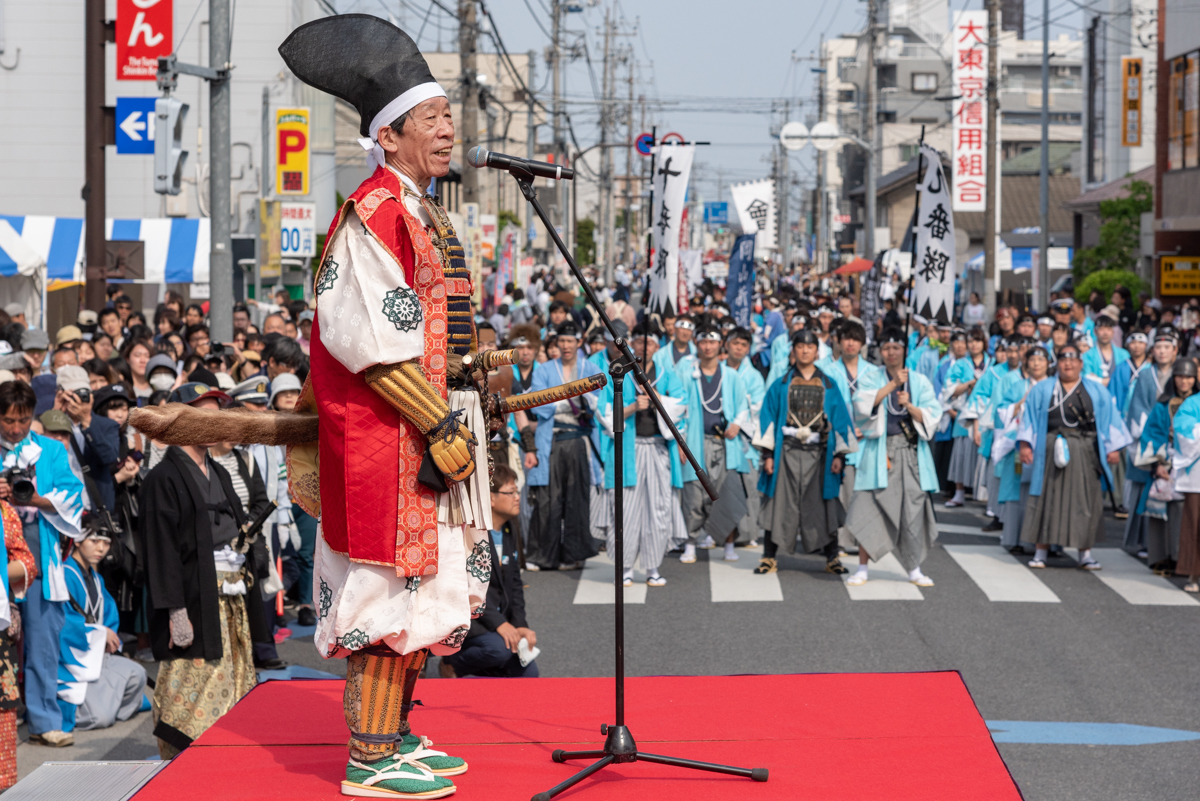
(393, 771)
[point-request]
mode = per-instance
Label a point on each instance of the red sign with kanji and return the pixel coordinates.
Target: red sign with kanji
(144, 31)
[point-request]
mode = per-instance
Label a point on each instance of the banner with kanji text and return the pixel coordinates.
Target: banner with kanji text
(672, 170)
(933, 280)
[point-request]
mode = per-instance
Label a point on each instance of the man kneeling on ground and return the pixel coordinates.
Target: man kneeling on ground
(491, 646)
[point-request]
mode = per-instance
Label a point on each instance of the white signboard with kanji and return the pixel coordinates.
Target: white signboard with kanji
(297, 230)
(933, 285)
(969, 76)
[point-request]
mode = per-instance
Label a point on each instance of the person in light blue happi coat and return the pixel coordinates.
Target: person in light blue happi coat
(560, 483)
(810, 432)
(943, 439)
(1125, 375)
(715, 401)
(738, 343)
(651, 472)
(898, 413)
(1070, 433)
(1012, 494)
(846, 370)
(680, 348)
(1102, 359)
(978, 414)
(96, 686)
(1143, 395)
(54, 511)
(1162, 510)
(1185, 468)
(956, 391)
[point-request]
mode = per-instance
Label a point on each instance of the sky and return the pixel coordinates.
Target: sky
(711, 70)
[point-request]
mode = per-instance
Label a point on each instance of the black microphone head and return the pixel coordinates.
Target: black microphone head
(477, 157)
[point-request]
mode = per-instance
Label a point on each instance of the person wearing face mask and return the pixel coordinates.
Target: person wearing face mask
(161, 372)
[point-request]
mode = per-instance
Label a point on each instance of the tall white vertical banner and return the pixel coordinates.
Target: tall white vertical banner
(969, 76)
(672, 169)
(755, 204)
(933, 282)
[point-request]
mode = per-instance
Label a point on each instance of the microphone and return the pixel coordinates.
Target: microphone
(521, 168)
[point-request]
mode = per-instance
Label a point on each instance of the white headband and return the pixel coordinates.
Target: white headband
(402, 104)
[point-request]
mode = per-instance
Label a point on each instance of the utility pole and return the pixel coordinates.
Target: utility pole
(95, 30)
(628, 166)
(784, 229)
(822, 228)
(1041, 276)
(990, 212)
(556, 105)
(872, 101)
(220, 259)
(264, 184)
(467, 31)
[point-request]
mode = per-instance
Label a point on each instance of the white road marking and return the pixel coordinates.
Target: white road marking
(735, 581)
(976, 531)
(1133, 581)
(596, 584)
(888, 582)
(999, 575)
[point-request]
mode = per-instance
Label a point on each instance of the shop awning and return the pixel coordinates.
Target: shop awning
(176, 249)
(856, 266)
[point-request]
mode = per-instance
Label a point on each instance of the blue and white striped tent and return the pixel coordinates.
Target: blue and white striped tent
(176, 249)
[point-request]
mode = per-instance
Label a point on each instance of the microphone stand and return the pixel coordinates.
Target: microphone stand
(619, 745)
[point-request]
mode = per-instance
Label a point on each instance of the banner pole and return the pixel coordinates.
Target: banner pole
(912, 268)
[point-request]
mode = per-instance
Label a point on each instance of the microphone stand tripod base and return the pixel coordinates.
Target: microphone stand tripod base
(620, 747)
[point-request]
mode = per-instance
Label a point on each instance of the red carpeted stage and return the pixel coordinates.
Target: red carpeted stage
(827, 736)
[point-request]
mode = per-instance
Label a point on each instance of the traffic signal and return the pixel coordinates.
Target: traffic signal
(169, 155)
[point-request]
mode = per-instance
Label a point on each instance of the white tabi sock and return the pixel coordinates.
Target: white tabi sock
(915, 574)
(628, 575)
(862, 571)
(1040, 554)
(1085, 556)
(960, 496)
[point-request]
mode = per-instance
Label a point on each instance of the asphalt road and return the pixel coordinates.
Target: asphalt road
(1092, 656)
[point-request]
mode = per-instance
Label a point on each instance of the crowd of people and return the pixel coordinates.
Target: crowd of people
(825, 433)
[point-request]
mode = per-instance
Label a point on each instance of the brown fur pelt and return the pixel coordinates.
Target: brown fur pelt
(180, 424)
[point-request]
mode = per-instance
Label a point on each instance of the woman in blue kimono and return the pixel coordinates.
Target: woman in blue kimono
(956, 393)
(1013, 484)
(652, 476)
(898, 413)
(811, 432)
(1069, 435)
(1155, 452)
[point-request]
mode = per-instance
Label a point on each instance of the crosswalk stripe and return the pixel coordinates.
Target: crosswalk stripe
(1133, 581)
(999, 575)
(888, 582)
(596, 584)
(955, 528)
(735, 581)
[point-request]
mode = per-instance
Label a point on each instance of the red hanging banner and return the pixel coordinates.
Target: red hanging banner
(144, 31)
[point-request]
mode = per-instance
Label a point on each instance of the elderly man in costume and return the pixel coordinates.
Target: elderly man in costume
(402, 563)
(1070, 433)
(898, 413)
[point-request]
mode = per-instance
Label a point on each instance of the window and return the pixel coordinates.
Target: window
(885, 116)
(924, 81)
(886, 76)
(908, 152)
(1183, 136)
(845, 64)
(845, 95)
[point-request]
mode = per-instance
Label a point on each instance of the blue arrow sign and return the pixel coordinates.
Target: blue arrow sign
(135, 125)
(1062, 733)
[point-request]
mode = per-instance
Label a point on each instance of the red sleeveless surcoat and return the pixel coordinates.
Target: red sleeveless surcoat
(373, 509)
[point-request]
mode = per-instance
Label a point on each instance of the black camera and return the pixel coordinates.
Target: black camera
(21, 482)
(83, 394)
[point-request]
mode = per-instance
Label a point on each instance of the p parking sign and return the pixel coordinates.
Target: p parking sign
(291, 151)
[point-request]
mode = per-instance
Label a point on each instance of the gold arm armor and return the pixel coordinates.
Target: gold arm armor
(451, 444)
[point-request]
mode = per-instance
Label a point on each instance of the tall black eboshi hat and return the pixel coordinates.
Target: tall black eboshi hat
(366, 61)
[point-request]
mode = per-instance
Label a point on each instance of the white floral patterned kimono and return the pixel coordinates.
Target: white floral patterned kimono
(361, 604)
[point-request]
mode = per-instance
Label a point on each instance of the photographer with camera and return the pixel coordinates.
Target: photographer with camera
(96, 440)
(37, 478)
